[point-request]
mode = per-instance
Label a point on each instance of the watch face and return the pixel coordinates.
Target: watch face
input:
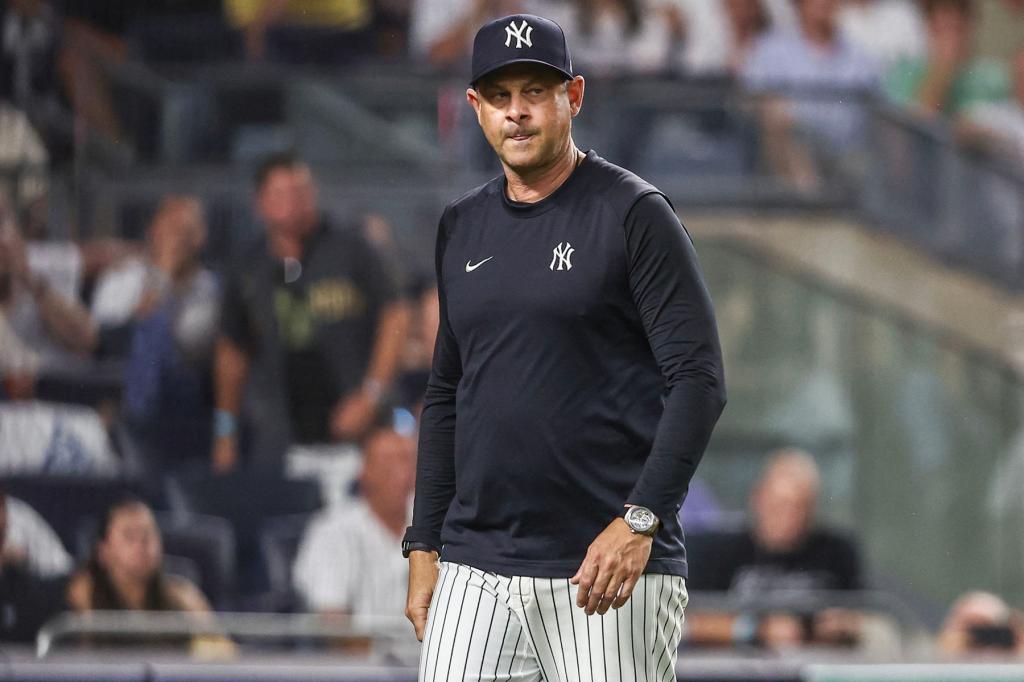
(639, 519)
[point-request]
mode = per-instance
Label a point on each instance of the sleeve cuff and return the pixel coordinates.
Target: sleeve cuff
(423, 536)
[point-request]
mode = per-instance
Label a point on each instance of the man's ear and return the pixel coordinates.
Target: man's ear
(473, 97)
(575, 88)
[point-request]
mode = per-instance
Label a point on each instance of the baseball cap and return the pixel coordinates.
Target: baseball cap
(520, 38)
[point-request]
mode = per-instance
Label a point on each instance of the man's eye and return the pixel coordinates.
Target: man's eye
(535, 91)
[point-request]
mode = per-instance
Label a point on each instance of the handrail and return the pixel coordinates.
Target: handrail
(143, 624)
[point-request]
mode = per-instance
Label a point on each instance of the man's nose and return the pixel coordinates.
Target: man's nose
(517, 108)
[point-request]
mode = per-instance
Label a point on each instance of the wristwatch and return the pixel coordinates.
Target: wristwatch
(641, 520)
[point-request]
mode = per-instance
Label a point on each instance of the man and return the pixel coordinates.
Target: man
(782, 552)
(42, 329)
(162, 312)
(311, 328)
(331, 567)
(979, 624)
(814, 80)
(577, 376)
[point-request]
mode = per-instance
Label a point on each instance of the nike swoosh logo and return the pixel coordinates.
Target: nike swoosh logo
(471, 268)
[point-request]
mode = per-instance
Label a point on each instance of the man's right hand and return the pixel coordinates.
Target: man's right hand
(225, 454)
(423, 570)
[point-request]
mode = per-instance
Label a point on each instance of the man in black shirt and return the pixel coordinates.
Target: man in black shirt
(311, 328)
(784, 551)
(576, 379)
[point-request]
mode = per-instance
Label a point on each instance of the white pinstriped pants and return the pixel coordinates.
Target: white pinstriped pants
(484, 627)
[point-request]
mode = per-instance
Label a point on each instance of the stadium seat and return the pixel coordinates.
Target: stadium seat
(65, 501)
(246, 501)
(279, 543)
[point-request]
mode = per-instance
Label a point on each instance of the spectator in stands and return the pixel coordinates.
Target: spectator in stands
(312, 328)
(165, 308)
(949, 79)
(608, 36)
(886, 30)
(998, 127)
(720, 36)
(612, 37)
(27, 600)
(32, 542)
(169, 271)
(980, 623)
(782, 552)
(814, 118)
(41, 328)
(124, 574)
(347, 562)
(300, 32)
(441, 31)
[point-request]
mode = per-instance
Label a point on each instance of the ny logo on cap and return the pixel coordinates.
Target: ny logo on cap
(513, 31)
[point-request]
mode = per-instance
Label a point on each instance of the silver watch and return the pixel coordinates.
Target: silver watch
(641, 520)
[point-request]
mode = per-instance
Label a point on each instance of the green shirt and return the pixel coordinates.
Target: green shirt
(982, 80)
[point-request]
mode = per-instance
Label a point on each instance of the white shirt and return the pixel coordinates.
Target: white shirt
(608, 48)
(710, 38)
(887, 30)
(349, 561)
(29, 535)
(38, 437)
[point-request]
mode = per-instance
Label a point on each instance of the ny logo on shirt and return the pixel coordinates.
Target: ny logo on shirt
(513, 31)
(562, 254)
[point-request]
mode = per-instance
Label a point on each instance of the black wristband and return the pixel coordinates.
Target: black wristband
(408, 547)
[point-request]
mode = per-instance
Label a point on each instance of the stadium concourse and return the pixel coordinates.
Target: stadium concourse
(218, 309)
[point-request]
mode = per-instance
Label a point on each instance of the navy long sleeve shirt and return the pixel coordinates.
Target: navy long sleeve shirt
(577, 369)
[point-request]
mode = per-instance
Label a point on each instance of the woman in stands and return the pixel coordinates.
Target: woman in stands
(124, 573)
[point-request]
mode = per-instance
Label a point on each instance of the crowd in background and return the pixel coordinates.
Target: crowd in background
(313, 344)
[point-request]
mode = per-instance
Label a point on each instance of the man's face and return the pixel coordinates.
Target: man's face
(525, 112)
(783, 510)
(287, 201)
(179, 226)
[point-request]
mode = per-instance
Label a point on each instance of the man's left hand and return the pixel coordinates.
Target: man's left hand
(614, 563)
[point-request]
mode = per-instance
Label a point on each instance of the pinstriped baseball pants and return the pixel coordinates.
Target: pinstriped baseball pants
(484, 627)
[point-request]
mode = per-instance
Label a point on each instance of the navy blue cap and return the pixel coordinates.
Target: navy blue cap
(520, 38)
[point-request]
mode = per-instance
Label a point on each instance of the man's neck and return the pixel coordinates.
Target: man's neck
(532, 186)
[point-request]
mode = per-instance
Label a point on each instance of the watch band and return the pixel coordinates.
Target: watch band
(408, 547)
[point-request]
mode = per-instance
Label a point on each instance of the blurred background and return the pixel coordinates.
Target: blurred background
(217, 311)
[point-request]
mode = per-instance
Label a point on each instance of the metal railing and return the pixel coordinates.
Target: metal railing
(141, 626)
